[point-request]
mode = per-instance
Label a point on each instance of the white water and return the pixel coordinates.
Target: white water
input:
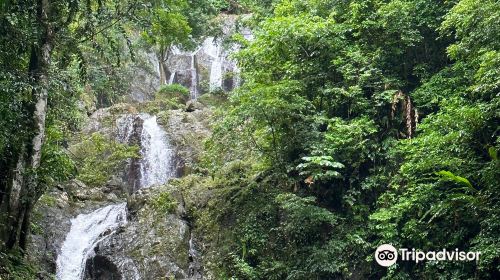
(213, 49)
(156, 152)
(193, 87)
(217, 59)
(85, 233)
(87, 230)
(194, 77)
(171, 79)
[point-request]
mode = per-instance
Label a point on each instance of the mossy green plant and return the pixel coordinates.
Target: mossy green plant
(48, 200)
(173, 92)
(14, 266)
(99, 157)
(213, 100)
(164, 203)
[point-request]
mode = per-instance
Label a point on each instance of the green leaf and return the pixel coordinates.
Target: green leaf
(493, 153)
(460, 180)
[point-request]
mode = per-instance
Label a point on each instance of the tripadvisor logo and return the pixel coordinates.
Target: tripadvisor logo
(386, 255)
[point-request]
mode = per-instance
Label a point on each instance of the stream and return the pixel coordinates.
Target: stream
(206, 68)
(88, 230)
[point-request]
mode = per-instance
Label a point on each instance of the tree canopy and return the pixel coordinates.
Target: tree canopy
(363, 123)
(359, 123)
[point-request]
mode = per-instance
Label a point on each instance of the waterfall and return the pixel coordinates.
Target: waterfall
(87, 230)
(194, 77)
(206, 65)
(192, 70)
(213, 49)
(216, 74)
(171, 79)
(157, 153)
(194, 260)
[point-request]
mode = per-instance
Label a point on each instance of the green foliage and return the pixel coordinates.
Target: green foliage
(303, 222)
(175, 92)
(331, 91)
(168, 25)
(459, 180)
(390, 108)
(57, 165)
(98, 158)
(212, 100)
(13, 266)
(164, 203)
(74, 56)
(474, 27)
(424, 211)
(320, 167)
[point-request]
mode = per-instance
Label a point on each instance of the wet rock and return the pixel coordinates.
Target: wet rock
(104, 120)
(52, 220)
(132, 176)
(154, 244)
(193, 105)
(188, 130)
(99, 267)
(209, 66)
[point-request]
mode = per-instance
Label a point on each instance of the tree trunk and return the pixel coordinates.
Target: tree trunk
(24, 190)
(162, 58)
(163, 78)
(163, 75)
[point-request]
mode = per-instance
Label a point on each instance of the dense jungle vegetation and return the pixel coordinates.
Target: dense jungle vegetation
(358, 123)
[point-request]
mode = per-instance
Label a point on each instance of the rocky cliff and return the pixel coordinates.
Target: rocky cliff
(156, 242)
(153, 237)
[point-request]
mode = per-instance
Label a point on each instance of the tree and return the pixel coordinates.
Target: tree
(50, 34)
(386, 113)
(169, 26)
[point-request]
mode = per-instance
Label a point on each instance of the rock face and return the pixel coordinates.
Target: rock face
(155, 242)
(154, 245)
(146, 80)
(87, 230)
(208, 67)
(99, 267)
(53, 215)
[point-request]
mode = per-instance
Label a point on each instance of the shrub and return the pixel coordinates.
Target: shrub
(99, 157)
(175, 92)
(164, 203)
(14, 266)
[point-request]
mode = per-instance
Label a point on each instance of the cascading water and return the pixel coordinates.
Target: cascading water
(207, 64)
(194, 260)
(213, 49)
(171, 79)
(247, 34)
(194, 77)
(157, 154)
(87, 230)
(156, 164)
